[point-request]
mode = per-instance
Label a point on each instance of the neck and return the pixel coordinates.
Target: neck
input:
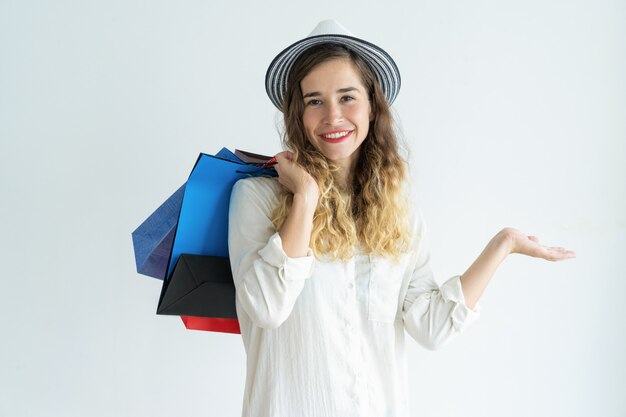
(344, 178)
(347, 167)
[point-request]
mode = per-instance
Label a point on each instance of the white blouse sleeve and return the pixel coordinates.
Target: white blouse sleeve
(267, 281)
(433, 315)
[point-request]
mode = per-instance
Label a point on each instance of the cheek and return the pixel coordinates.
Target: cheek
(309, 120)
(361, 117)
(360, 114)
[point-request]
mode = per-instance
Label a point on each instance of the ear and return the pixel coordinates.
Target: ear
(372, 112)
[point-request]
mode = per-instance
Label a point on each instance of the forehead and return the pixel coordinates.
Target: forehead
(331, 75)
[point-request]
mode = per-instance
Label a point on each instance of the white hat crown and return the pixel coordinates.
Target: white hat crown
(330, 27)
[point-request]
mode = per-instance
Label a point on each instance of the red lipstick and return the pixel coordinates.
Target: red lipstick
(336, 140)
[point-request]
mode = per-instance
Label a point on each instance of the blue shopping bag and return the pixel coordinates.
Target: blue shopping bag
(203, 220)
(153, 239)
(199, 285)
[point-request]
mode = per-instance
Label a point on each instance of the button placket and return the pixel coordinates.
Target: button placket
(351, 319)
(350, 274)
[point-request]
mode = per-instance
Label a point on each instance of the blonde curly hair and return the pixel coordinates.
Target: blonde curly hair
(372, 211)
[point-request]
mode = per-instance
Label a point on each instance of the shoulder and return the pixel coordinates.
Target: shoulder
(263, 186)
(256, 191)
(415, 216)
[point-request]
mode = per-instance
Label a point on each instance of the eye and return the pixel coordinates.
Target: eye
(347, 98)
(313, 102)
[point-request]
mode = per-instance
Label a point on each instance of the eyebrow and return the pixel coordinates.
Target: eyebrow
(341, 90)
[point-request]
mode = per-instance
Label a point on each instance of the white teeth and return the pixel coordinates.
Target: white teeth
(336, 135)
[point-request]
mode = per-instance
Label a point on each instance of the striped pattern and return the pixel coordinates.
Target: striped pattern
(381, 63)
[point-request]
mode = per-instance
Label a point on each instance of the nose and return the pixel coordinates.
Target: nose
(333, 114)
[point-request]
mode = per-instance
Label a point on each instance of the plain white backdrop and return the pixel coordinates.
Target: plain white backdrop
(515, 116)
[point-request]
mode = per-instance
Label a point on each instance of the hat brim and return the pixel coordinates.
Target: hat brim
(383, 66)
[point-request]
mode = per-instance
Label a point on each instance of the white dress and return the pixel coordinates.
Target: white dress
(326, 339)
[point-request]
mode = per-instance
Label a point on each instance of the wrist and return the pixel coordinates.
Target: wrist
(306, 201)
(504, 241)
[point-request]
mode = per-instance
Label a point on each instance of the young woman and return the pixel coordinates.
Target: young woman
(331, 260)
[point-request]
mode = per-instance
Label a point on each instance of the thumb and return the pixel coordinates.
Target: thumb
(285, 155)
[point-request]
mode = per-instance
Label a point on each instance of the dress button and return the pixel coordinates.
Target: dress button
(351, 285)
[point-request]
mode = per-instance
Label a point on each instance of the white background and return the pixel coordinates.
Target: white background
(515, 116)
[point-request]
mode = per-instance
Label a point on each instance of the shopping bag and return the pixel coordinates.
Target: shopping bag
(153, 239)
(202, 229)
(251, 158)
(202, 287)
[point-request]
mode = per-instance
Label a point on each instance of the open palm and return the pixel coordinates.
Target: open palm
(529, 245)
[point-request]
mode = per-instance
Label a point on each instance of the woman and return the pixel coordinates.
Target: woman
(331, 261)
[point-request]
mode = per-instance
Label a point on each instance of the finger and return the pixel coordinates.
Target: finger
(281, 171)
(288, 155)
(559, 254)
(560, 249)
(280, 157)
(566, 252)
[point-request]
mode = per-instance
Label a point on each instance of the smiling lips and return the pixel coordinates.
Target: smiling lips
(337, 136)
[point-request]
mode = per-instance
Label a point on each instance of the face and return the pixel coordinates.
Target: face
(337, 110)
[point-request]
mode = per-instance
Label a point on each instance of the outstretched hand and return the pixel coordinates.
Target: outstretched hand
(504, 243)
(529, 245)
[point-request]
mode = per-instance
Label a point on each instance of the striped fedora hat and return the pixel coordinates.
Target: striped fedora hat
(332, 31)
